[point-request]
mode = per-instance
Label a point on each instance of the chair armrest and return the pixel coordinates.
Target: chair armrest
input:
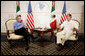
(8, 33)
(76, 33)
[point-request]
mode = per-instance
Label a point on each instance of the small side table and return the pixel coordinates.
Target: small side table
(42, 32)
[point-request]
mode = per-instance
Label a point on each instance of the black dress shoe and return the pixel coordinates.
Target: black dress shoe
(26, 48)
(59, 47)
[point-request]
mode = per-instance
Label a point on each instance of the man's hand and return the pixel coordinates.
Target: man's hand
(58, 26)
(25, 27)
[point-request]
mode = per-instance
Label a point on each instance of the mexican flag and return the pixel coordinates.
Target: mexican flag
(53, 6)
(18, 9)
(53, 22)
(18, 6)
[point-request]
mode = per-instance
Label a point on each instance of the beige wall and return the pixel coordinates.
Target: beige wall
(42, 17)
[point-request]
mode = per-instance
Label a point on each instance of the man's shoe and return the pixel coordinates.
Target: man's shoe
(26, 48)
(59, 47)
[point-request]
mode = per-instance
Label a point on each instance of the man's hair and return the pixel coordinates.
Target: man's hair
(18, 16)
(69, 15)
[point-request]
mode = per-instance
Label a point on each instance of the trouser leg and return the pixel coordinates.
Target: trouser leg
(68, 35)
(60, 41)
(25, 33)
(60, 38)
(63, 41)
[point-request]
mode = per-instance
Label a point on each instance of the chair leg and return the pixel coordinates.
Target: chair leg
(55, 39)
(9, 41)
(27, 46)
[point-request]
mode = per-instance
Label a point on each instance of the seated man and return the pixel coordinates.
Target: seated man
(68, 27)
(20, 29)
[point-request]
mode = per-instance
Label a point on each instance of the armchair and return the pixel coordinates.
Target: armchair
(74, 37)
(10, 32)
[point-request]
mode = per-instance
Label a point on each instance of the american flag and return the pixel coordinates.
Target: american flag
(30, 21)
(63, 17)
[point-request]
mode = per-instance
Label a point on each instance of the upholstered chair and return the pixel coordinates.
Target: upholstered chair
(10, 32)
(74, 37)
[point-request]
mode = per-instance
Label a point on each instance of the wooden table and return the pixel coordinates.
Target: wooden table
(42, 32)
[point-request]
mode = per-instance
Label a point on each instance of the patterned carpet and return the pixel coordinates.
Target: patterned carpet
(36, 49)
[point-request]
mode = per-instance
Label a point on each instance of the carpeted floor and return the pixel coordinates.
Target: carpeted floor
(49, 48)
